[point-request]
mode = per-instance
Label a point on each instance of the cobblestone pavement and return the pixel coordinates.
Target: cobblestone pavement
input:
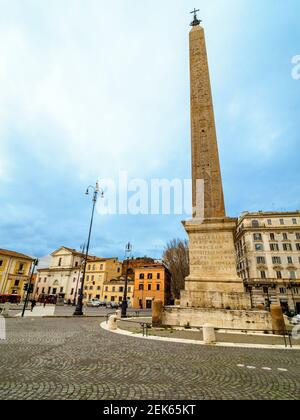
(76, 359)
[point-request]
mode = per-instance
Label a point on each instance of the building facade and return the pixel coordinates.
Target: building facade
(114, 290)
(63, 277)
(14, 272)
(98, 272)
(151, 282)
(268, 253)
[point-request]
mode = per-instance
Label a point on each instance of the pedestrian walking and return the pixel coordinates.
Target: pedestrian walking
(33, 304)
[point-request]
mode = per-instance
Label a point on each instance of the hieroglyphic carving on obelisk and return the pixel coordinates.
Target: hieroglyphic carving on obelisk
(205, 155)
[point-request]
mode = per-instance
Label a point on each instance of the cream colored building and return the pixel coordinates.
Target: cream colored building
(14, 272)
(98, 272)
(63, 276)
(114, 290)
(268, 252)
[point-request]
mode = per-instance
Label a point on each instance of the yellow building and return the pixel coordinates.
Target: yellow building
(14, 272)
(114, 290)
(99, 271)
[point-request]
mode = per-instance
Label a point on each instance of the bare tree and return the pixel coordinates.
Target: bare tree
(176, 258)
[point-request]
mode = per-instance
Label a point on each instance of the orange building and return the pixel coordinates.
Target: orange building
(151, 282)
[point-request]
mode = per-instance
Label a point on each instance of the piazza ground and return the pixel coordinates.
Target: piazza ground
(71, 358)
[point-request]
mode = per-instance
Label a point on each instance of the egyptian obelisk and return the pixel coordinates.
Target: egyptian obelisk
(213, 281)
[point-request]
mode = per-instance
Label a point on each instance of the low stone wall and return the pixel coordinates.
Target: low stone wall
(219, 318)
(217, 300)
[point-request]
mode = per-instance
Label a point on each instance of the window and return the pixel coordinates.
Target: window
(119, 269)
(257, 237)
(272, 236)
(294, 221)
(263, 275)
(21, 267)
(298, 236)
(276, 260)
(287, 247)
(129, 289)
(255, 223)
(259, 247)
(101, 267)
(266, 290)
(120, 298)
(17, 282)
(94, 267)
(281, 221)
(43, 290)
(158, 287)
(293, 275)
(279, 275)
(76, 264)
(98, 288)
(85, 287)
(91, 287)
(261, 260)
(141, 287)
(106, 289)
(290, 260)
(269, 222)
(274, 247)
(142, 276)
(93, 278)
(59, 262)
(89, 267)
(298, 247)
(1, 263)
(121, 289)
(158, 276)
(112, 299)
(37, 291)
(296, 291)
(285, 237)
(149, 287)
(114, 289)
(87, 278)
(282, 290)
(150, 276)
(72, 292)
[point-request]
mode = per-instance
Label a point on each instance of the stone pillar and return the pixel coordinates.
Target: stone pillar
(5, 310)
(157, 311)
(278, 323)
(112, 323)
(209, 335)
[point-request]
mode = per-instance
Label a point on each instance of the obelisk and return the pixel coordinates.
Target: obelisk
(213, 281)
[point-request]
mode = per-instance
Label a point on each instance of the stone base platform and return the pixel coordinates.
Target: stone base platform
(215, 299)
(219, 318)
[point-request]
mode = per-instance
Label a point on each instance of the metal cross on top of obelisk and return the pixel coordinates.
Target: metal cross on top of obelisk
(196, 21)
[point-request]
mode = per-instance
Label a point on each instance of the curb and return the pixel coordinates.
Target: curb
(104, 326)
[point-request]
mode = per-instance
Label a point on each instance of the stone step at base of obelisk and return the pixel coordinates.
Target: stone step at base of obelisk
(215, 300)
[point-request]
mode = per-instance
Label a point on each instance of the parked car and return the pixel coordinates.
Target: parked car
(94, 303)
(296, 320)
(113, 305)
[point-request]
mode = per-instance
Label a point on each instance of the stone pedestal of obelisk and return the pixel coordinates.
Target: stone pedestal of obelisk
(213, 291)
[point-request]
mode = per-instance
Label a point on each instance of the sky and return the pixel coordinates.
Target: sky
(89, 88)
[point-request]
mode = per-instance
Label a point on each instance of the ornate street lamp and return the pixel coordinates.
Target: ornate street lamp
(128, 250)
(96, 190)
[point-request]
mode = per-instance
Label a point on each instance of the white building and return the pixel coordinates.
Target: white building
(63, 277)
(268, 252)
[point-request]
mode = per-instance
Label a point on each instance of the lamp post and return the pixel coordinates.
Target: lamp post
(128, 250)
(79, 274)
(96, 190)
(28, 291)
